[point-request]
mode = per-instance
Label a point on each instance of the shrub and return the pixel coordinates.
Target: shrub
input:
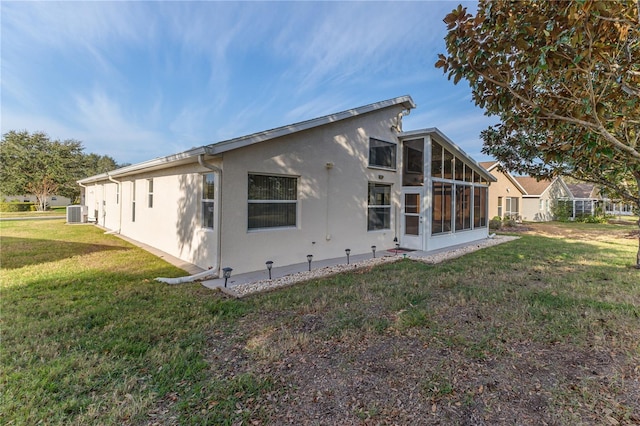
(509, 222)
(562, 210)
(16, 206)
(495, 223)
(587, 218)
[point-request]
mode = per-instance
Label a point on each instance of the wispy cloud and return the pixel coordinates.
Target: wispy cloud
(344, 40)
(142, 79)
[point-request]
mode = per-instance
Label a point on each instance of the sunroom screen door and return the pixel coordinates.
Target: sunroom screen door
(412, 227)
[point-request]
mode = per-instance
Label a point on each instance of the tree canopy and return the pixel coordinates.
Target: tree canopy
(32, 163)
(564, 78)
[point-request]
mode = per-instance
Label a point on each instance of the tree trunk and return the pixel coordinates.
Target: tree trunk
(638, 256)
(637, 176)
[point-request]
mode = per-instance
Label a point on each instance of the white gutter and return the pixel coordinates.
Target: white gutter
(119, 201)
(452, 147)
(182, 157)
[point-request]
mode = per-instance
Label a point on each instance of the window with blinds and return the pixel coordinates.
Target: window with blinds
(273, 201)
(208, 200)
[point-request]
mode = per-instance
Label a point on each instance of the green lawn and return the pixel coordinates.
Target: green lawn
(542, 329)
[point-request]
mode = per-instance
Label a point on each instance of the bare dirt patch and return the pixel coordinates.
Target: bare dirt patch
(405, 380)
(507, 344)
(561, 230)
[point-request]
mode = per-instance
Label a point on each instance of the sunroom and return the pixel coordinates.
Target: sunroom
(444, 193)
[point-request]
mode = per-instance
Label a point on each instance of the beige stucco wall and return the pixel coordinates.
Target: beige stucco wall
(332, 202)
(531, 211)
(172, 225)
(504, 188)
(331, 208)
(531, 207)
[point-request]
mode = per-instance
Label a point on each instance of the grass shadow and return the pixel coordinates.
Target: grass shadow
(19, 252)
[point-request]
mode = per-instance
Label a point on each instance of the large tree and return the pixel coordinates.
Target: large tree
(32, 163)
(94, 164)
(564, 78)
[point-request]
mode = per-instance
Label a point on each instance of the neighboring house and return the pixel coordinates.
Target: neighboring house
(352, 180)
(585, 199)
(538, 202)
(505, 197)
(617, 208)
(53, 201)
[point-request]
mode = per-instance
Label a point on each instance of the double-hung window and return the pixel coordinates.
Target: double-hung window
(272, 201)
(379, 207)
(208, 196)
(382, 154)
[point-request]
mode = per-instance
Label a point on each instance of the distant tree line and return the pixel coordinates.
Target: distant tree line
(33, 163)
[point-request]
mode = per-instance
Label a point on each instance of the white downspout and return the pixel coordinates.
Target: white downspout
(82, 203)
(207, 273)
(119, 183)
(218, 201)
(85, 192)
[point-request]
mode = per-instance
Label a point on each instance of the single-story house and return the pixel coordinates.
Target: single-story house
(585, 199)
(617, 207)
(506, 193)
(349, 180)
(52, 201)
(540, 197)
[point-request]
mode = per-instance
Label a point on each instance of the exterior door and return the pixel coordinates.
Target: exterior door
(412, 219)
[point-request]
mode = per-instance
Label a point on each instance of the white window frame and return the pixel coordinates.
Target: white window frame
(378, 206)
(207, 218)
(133, 201)
(251, 202)
(384, 144)
(150, 193)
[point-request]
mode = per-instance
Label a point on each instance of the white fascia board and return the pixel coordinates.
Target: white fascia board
(516, 183)
(509, 176)
(231, 144)
(564, 185)
(448, 143)
(156, 163)
(493, 166)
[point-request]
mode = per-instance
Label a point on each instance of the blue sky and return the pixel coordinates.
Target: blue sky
(140, 80)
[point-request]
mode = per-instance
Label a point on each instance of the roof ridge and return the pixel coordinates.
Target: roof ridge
(241, 141)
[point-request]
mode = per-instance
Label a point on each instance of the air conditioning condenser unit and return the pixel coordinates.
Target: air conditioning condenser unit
(76, 214)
